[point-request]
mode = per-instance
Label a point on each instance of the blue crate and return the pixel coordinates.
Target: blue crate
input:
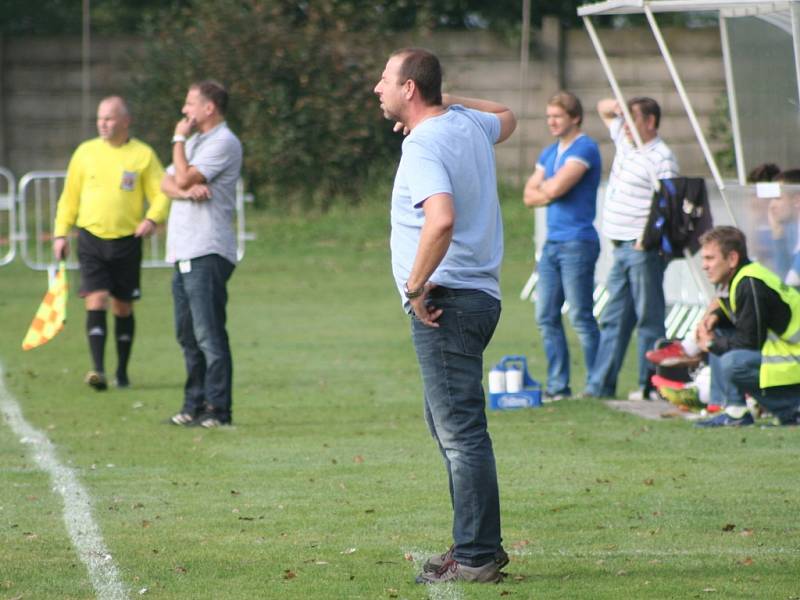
(529, 397)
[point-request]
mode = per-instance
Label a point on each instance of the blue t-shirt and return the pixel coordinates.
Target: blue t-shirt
(571, 216)
(452, 153)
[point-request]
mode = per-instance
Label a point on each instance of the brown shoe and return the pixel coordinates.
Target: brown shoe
(453, 570)
(435, 562)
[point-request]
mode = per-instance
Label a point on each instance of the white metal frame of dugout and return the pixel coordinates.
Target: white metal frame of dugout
(771, 11)
(765, 9)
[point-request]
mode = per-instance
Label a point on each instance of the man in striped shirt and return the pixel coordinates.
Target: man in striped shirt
(635, 282)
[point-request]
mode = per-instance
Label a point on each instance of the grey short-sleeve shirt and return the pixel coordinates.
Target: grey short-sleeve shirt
(197, 229)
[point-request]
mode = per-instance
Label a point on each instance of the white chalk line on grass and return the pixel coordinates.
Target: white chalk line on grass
(439, 591)
(82, 529)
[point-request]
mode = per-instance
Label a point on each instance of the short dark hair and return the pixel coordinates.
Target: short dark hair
(764, 172)
(569, 103)
(424, 69)
(729, 239)
(213, 91)
(647, 106)
(788, 176)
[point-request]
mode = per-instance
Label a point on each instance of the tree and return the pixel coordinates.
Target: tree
(300, 84)
(50, 17)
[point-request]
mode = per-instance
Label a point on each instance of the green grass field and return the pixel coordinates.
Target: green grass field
(328, 481)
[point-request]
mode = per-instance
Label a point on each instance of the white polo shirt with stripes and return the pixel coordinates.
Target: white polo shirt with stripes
(630, 188)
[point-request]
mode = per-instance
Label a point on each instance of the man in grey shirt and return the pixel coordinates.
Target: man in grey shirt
(202, 245)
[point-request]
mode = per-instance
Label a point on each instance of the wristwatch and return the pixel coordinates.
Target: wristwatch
(411, 294)
(178, 138)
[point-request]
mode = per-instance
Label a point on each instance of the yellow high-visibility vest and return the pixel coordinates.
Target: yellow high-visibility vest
(780, 354)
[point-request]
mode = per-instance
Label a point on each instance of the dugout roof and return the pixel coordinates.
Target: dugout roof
(760, 42)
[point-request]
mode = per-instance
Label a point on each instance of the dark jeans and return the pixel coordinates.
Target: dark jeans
(451, 363)
(566, 273)
(636, 299)
(200, 297)
(737, 372)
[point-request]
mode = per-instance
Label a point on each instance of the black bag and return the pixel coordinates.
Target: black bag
(679, 215)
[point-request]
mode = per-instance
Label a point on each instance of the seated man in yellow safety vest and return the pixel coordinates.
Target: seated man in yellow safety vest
(752, 336)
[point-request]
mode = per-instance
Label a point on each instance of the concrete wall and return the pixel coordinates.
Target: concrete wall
(481, 65)
(41, 96)
(41, 105)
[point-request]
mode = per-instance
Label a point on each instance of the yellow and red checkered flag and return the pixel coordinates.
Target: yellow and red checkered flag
(52, 313)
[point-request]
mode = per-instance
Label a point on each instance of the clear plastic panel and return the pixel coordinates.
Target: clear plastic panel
(772, 226)
(765, 84)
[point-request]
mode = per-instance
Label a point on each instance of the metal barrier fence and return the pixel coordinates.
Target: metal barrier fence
(8, 218)
(37, 200)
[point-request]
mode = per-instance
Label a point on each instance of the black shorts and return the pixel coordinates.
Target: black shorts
(112, 265)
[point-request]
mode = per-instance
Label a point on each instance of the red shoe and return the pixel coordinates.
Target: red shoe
(670, 355)
(662, 382)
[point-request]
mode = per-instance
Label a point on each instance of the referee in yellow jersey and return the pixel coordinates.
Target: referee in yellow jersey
(108, 179)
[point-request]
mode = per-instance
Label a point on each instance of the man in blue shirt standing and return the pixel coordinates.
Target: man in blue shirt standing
(565, 180)
(447, 246)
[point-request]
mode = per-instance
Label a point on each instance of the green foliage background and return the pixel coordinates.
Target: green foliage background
(130, 16)
(301, 92)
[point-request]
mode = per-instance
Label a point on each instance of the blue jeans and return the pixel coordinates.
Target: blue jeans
(723, 391)
(200, 297)
(737, 372)
(636, 299)
(566, 272)
(451, 362)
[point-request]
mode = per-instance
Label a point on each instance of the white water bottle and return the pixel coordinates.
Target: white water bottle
(497, 381)
(513, 380)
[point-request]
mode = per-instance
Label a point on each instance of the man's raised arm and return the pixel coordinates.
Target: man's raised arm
(608, 109)
(508, 122)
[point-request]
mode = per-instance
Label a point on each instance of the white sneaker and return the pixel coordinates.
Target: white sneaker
(184, 419)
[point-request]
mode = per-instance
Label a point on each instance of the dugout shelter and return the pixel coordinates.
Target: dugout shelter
(760, 44)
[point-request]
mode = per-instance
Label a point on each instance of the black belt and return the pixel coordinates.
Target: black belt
(618, 243)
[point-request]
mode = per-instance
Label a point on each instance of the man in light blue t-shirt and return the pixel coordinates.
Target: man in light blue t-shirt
(565, 180)
(447, 246)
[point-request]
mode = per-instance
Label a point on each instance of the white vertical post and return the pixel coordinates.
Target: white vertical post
(701, 138)
(612, 80)
(635, 134)
(524, 66)
(733, 105)
(796, 42)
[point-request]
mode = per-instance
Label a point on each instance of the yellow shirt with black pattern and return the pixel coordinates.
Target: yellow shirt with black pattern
(106, 188)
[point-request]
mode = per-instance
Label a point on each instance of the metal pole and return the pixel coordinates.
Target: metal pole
(524, 65)
(2, 109)
(701, 138)
(86, 82)
(733, 106)
(612, 80)
(626, 113)
(796, 42)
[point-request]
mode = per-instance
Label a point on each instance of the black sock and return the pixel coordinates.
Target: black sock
(123, 328)
(96, 332)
